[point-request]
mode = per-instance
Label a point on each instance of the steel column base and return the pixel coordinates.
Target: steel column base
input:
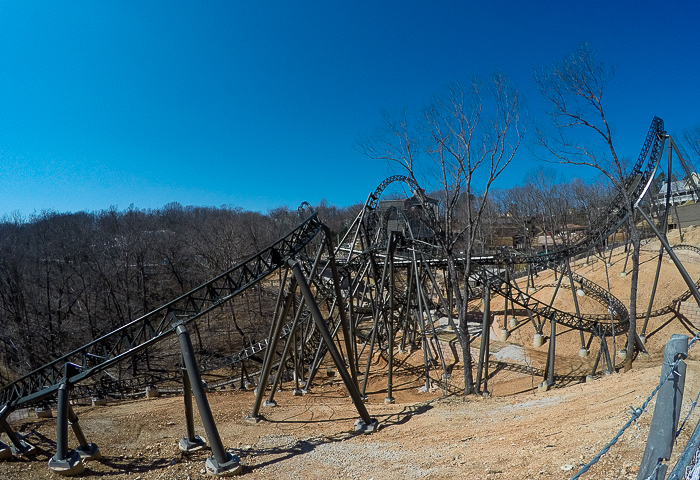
(187, 445)
(269, 403)
(92, 452)
(254, 419)
(27, 449)
(389, 400)
(231, 467)
(72, 465)
(297, 392)
(544, 386)
(366, 428)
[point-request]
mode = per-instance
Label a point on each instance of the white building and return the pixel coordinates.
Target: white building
(682, 191)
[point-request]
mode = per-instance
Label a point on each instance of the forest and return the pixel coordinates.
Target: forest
(69, 278)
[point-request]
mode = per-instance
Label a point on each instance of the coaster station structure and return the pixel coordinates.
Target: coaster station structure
(374, 292)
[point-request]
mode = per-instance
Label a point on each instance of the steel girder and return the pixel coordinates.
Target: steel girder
(152, 328)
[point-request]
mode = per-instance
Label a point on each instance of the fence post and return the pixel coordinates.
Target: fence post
(662, 432)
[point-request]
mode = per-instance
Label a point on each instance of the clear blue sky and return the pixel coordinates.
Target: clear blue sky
(260, 104)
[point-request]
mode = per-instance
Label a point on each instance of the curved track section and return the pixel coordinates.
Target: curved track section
(602, 323)
(673, 304)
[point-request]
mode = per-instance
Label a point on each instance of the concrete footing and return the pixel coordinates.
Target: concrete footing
(504, 335)
(99, 402)
(26, 449)
(186, 445)
(389, 400)
(232, 466)
(72, 465)
(583, 352)
(269, 403)
(513, 322)
(92, 452)
(152, 392)
(253, 419)
(361, 426)
(538, 340)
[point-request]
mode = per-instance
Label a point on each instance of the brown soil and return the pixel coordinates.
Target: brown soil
(518, 432)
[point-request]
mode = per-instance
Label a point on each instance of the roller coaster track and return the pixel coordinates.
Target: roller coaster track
(587, 323)
(152, 328)
(635, 186)
(672, 306)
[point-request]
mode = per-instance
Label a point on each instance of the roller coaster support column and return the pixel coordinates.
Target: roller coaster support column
(64, 462)
(221, 463)
(379, 297)
(270, 402)
(583, 351)
(604, 353)
(483, 365)
(272, 341)
(689, 281)
(345, 325)
(365, 423)
(87, 451)
(390, 325)
(19, 446)
(191, 442)
(548, 381)
(662, 431)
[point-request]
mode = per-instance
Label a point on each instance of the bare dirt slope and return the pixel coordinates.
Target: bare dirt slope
(517, 433)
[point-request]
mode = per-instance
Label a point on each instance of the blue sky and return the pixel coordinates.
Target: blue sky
(260, 104)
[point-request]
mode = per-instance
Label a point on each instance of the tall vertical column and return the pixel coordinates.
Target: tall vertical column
(64, 462)
(221, 463)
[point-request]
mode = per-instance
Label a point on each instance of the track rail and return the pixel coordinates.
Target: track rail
(150, 329)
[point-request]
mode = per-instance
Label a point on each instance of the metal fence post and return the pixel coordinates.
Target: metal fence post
(662, 432)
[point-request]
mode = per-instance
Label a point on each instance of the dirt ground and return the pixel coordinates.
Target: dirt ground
(518, 432)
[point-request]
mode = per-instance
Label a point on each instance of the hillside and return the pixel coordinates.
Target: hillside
(518, 432)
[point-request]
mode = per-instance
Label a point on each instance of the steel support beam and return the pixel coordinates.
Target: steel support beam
(221, 463)
(365, 423)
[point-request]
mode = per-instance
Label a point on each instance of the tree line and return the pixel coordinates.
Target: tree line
(69, 278)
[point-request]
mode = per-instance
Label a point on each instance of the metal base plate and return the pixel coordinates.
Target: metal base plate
(366, 428)
(231, 467)
(27, 449)
(92, 452)
(186, 445)
(72, 465)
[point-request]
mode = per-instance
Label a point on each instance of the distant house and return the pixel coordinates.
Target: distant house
(682, 191)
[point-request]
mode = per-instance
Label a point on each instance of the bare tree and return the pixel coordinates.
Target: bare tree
(691, 139)
(459, 144)
(579, 133)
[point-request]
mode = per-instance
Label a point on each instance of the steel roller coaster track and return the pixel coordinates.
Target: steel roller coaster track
(356, 263)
